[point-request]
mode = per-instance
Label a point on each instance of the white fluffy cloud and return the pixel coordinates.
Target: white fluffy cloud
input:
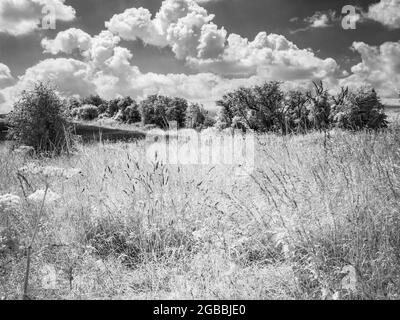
(6, 79)
(69, 76)
(386, 12)
(188, 29)
(321, 19)
(68, 41)
(19, 17)
(380, 68)
(106, 68)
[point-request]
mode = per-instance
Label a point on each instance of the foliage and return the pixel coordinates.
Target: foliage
(258, 108)
(358, 110)
(86, 112)
(198, 118)
(267, 108)
(38, 121)
(94, 100)
(319, 107)
(159, 110)
(296, 114)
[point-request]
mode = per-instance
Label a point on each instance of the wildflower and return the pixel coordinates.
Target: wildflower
(24, 150)
(349, 282)
(49, 171)
(336, 295)
(9, 202)
(39, 195)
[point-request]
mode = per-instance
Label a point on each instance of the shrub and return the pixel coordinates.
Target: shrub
(159, 110)
(198, 118)
(319, 107)
(38, 121)
(128, 111)
(258, 108)
(112, 107)
(296, 114)
(132, 114)
(86, 112)
(94, 100)
(71, 104)
(358, 110)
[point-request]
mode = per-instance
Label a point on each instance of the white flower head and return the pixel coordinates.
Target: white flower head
(49, 171)
(39, 195)
(9, 202)
(24, 150)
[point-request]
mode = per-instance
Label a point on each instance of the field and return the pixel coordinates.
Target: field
(317, 218)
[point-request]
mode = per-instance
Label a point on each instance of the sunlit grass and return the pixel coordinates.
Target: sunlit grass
(314, 207)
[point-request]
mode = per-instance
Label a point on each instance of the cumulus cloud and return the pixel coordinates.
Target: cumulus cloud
(189, 30)
(106, 68)
(386, 12)
(69, 76)
(68, 41)
(103, 66)
(6, 79)
(380, 68)
(321, 19)
(20, 17)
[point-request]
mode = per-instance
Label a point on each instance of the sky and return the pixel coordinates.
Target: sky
(196, 49)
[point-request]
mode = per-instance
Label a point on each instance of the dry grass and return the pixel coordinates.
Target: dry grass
(129, 229)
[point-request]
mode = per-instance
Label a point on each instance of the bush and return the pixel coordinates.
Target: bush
(358, 110)
(112, 107)
(258, 108)
(319, 107)
(267, 108)
(131, 114)
(296, 114)
(86, 112)
(38, 121)
(94, 100)
(159, 110)
(198, 118)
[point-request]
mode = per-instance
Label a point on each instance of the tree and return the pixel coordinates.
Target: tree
(38, 121)
(296, 114)
(197, 117)
(319, 107)
(258, 108)
(158, 110)
(94, 100)
(86, 112)
(358, 110)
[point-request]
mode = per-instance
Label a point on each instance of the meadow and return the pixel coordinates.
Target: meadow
(317, 218)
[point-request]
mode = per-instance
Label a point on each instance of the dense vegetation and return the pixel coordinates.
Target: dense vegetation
(263, 108)
(267, 108)
(38, 121)
(316, 218)
(40, 117)
(155, 110)
(313, 221)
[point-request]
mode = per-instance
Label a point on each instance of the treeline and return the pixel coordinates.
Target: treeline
(155, 110)
(40, 118)
(262, 108)
(267, 108)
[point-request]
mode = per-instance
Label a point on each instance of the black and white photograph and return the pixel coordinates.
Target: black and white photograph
(199, 150)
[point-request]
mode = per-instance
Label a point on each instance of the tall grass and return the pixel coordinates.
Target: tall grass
(315, 208)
